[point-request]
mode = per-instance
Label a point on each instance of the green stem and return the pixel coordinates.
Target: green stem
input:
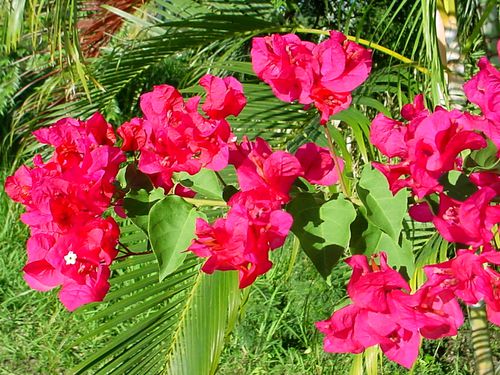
(206, 202)
(481, 340)
(369, 44)
(293, 257)
(496, 235)
(343, 185)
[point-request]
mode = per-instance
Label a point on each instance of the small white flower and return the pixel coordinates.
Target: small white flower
(70, 258)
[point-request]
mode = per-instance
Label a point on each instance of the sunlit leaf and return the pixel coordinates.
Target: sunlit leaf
(171, 228)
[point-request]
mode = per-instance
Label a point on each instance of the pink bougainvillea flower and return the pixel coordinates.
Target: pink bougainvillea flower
(353, 329)
(318, 164)
(369, 320)
(74, 139)
(384, 313)
(388, 136)
(101, 131)
(470, 278)
(428, 146)
(78, 261)
(91, 243)
(211, 140)
(179, 138)
(370, 283)
(397, 175)
(396, 139)
(133, 135)
(416, 110)
(18, 186)
(93, 289)
(169, 146)
(254, 225)
(157, 104)
(343, 65)
(70, 133)
(224, 96)
(62, 198)
(492, 298)
(286, 64)
(463, 275)
(265, 215)
(490, 254)
(469, 222)
(490, 128)
(38, 273)
(71, 245)
(257, 166)
(398, 343)
(483, 89)
(433, 311)
(62, 195)
(401, 345)
(486, 179)
(340, 331)
(421, 212)
(329, 102)
(324, 74)
(440, 137)
(228, 246)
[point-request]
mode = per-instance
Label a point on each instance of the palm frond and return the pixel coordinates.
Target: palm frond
(148, 326)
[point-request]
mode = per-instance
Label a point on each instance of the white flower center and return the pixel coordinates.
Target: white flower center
(70, 258)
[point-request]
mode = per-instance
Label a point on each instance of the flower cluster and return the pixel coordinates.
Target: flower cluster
(423, 149)
(471, 277)
(174, 137)
(483, 89)
(429, 145)
(71, 243)
(256, 222)
(384, 313)
(322, 74)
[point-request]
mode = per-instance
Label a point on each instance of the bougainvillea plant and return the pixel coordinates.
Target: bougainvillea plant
(74, 198)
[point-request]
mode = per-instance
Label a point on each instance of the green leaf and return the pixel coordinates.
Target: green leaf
(360, 126)
(138, 203)
(205, 182)
(398, 255)
(137, 180)
(457, 185)
(210, 313)
(171, 229)
(374, 103)
(484, 159)
(322, 228)
(228, 192)
(383, 209)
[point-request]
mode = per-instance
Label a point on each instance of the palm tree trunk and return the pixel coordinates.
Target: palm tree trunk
(447, 31)
(452, 58)
(480, 338)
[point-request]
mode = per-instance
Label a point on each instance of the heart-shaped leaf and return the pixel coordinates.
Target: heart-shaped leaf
(171, 228)
(323, 228)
